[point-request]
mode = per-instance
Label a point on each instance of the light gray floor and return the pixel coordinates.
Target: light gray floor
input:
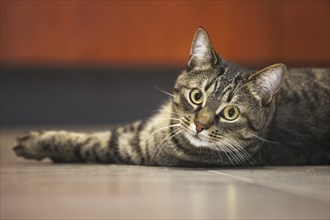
(34, 190)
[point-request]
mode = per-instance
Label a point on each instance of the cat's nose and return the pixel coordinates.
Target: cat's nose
(199, 127)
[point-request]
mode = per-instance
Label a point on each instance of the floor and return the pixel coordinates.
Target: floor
(42, 190)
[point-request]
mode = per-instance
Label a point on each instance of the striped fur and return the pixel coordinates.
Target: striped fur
(274, 126)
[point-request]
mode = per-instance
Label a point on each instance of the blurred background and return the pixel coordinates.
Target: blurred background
(92, 62)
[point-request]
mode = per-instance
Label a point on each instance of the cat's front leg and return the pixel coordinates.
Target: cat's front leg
(63, 146)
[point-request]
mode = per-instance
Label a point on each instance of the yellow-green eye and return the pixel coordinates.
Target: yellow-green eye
(196, 96)
(230, 113)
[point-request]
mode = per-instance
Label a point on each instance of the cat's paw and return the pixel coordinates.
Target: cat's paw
(27, 146)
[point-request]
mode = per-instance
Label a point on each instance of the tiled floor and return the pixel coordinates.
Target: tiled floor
(34, 190)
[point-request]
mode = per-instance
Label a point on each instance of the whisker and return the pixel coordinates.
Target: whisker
(224, 149)
(235, 151)
(249, 159)
(178, 119)
(243, 151)
(161, 143)
(238, 152)
(233, 154)
(170, 138)
(260, 138)
(176, 131)
(215, 147)
(160, 129)
(167, 93)
(162, 110)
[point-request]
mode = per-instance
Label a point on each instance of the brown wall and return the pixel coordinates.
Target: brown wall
(160, 33)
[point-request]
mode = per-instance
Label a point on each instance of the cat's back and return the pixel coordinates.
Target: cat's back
(307, 79)
(306, 87)
(302, 115)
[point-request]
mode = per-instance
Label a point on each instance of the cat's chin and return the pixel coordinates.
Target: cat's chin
(197, 140)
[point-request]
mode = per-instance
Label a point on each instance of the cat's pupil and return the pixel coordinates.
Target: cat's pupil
(198, 96)
(231, 112)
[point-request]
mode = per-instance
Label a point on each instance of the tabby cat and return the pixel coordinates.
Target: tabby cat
(219, 114)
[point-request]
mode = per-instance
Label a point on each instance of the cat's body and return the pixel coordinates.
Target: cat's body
(220, 114)
(301, 123)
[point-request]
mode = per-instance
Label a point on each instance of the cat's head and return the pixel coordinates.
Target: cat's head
(221, 104)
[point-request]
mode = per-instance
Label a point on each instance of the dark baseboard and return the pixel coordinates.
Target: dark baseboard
(69, 95)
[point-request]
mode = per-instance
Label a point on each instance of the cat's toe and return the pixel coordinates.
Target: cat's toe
(22, 151)
(26, 146)
(26, 152)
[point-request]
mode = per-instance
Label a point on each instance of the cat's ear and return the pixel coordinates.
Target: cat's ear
(266, 82)
(202, 54)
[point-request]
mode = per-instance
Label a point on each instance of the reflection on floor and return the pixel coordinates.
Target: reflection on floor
(34, 190)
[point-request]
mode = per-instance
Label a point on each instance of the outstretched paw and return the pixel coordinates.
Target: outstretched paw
(27, 146)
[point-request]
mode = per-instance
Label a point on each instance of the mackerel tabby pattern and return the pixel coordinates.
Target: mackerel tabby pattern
(219, 114)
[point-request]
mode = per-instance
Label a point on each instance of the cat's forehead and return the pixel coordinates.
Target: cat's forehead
(210, 79)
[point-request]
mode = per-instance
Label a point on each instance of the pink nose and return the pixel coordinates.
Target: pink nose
(199, 127)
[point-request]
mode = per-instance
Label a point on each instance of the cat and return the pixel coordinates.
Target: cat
(220, 114)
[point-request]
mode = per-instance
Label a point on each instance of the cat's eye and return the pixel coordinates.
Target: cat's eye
(230, 113)
(196, 96)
